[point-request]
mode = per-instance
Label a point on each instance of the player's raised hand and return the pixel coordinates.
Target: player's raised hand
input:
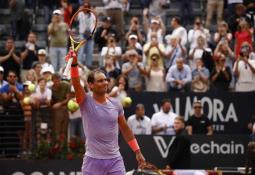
(73, 55)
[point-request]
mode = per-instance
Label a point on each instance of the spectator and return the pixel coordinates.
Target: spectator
(173, 50)
(186, 12)
(244, 70)
(86, 22)
(162, 121)
(36, 66)
(19, 29)
(200, 78)
(231, 5)
(212, 6)
(60, 97)
(222, 33)
(157, 8)
(244, 34)
(119, 91)
(67, 11)
(57, 31)
(179, 152)
(152, 47)
(133, 44)
(27, 110)
(47, 73)
(199, 52)
(103, 32)
(179, 76)
(221, 75)
(198, 123)
(179, 31)
(156, 27)
(29, 54)
(31, 76)
(112, 50)
(134, 70)
(42, 103)
(12, 93)
(114, 10)
(42, 58)
(136, 30)
(155, 76)
(251, 126)
(235, 17)
(197, 31)
(139, 123)
(111, 71)
(224, 48)
(10, 59)
(2, 81)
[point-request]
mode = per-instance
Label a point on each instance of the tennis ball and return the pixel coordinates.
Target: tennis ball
(127, 101)
(31, 87)
(72, 105)
(26, 100)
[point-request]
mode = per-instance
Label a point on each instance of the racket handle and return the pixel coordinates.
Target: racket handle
(68, 67)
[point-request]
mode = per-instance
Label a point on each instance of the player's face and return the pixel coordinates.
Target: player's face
(100, 84)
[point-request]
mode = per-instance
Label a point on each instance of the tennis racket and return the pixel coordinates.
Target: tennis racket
(149, 169)
(82, 26)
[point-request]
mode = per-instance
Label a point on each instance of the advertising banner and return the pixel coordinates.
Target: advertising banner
(229, 112)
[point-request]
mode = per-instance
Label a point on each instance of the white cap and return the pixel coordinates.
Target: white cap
(154, 21)
(131, 52)
(27, 83)
(1, 69)
(57, 12)
(47, 69)
(132, 36)
(42, 52)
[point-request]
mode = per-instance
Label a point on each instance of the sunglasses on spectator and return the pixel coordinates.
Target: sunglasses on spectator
(197, 107)
(12, 76)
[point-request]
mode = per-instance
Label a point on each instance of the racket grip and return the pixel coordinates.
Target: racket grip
(68, 67)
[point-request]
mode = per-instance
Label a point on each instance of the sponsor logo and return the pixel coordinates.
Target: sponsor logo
(162, 146)
(211, 147)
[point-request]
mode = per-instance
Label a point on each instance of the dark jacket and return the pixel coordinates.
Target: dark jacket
(179, 152)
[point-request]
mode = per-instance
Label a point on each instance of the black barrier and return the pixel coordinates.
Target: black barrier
(207, 153)
(229, 112)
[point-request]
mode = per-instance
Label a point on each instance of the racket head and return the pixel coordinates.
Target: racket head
(151, 169)
(82, 26)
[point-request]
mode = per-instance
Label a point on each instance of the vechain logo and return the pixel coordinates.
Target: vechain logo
(217, 148)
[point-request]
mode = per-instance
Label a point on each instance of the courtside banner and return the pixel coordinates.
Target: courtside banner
(229, 112)
(206, 153)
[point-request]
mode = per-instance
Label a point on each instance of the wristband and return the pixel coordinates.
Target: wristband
(133, 145)
(74, 72)
(74, 65)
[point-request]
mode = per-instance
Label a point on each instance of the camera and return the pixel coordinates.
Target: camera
(244, 50)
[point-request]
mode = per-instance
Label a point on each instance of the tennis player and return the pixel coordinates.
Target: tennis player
(102, 117)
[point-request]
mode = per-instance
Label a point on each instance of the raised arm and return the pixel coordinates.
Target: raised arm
(79, 90)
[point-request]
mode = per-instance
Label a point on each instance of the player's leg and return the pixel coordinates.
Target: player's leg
(117, 167)
(93, 166)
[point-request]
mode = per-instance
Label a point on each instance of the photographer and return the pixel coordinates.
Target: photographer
(244, 70)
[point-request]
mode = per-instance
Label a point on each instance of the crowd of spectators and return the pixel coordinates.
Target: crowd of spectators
(141, 57)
